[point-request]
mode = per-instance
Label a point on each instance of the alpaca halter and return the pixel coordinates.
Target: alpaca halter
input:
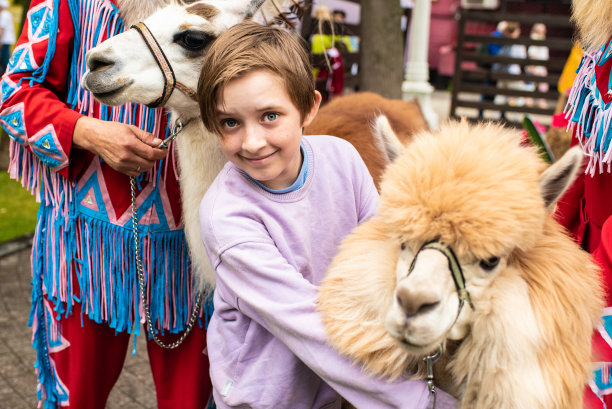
(464, 297)
(170, 81)
(455, 268)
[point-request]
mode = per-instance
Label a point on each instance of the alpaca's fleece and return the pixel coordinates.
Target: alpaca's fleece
(593, 19)
(476, 189)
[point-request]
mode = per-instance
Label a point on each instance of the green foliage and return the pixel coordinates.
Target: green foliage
(18, 209)
(537, 140)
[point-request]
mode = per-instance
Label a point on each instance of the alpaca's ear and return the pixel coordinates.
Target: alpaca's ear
(386, 140)
(560, 175)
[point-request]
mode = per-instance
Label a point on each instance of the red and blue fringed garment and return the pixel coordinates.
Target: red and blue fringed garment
(83, 248)
(586, 209)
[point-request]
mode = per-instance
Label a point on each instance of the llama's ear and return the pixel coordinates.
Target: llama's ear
(560, 175)
(386, 140)
(252, 8)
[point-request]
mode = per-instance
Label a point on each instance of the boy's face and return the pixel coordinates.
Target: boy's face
(261, 128)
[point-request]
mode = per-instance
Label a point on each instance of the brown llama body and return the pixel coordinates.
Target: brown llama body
(352, 117)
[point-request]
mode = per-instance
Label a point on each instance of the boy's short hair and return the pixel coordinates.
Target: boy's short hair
(248, 47)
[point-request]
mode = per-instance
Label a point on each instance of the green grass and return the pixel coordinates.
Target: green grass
(17, 209)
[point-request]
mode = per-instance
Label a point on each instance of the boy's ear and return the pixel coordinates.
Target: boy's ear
(313, 111)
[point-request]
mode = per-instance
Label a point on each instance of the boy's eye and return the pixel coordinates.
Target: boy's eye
(229, 123)
(271, 116)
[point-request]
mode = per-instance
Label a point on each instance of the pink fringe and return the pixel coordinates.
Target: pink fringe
(601, 118)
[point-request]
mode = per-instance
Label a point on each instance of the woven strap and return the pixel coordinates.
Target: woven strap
(454, 267)
(164, 65)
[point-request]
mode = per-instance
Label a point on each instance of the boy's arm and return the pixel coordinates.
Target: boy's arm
(278, 298)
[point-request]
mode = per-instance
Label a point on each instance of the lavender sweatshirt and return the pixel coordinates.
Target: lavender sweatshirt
(266, 342)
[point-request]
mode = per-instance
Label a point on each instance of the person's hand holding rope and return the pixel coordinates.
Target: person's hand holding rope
(126, 148)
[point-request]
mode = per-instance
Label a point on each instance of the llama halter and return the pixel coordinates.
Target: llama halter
(170, 81)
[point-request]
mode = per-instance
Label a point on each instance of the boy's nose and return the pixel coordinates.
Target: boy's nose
(254, 139)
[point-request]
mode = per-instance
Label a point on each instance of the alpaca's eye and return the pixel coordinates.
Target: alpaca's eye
(489, 264)
(192, 40)
(403, 246)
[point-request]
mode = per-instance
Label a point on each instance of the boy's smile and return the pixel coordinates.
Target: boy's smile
(262, 128)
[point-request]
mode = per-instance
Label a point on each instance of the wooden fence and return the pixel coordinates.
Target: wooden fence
(475, 85)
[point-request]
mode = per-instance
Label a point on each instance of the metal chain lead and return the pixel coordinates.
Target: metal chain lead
(139, 268)
(430, 360)
(178, 127)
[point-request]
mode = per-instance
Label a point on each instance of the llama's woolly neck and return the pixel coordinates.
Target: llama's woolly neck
(133, 11)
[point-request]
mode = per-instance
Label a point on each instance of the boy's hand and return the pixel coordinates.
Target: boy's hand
(125, 148)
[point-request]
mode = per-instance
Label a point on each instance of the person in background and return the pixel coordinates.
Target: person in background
(7, 34)
(329, 70)
(511, 30)
(491, 49)
(537, 52)
(339, 16)
(271, 222)
(77, 156)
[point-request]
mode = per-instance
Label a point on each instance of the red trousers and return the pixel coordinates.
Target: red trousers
(92, 363)
(600, 242)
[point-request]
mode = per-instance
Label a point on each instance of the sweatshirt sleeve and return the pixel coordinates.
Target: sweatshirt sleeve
(32, 111)
(273, 294)
(368, 195)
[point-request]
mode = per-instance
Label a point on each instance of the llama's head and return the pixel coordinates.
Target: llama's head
(458, 204)
(130, 66)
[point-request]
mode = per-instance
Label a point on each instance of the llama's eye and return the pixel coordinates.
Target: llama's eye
(403, 246)
(192, 40)
(489, 264)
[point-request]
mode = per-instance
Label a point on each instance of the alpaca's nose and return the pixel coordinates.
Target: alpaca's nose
(98, 61)
(413, 302)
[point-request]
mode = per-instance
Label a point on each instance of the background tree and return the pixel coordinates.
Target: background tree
(381, 48)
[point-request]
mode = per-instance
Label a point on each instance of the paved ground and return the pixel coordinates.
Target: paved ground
(134, 390)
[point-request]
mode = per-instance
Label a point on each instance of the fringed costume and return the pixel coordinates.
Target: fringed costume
(84, 272)
(586, 208)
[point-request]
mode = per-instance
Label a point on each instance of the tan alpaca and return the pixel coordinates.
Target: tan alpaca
(536, 295)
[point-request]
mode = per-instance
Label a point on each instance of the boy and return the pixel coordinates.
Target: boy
(271, 223)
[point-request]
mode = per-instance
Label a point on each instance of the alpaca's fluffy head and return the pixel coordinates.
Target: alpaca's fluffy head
(474, 188)
(479, 194)
(594, 21)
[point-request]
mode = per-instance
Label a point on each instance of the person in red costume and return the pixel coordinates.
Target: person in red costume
(77, 156)
(586, 209)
